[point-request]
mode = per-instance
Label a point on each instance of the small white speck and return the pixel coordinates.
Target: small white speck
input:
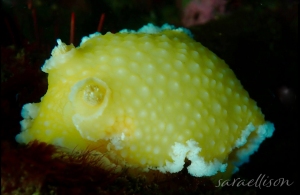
(145, 91)
(137, 102)
(200, 135)
(213, 83)
(220, 75)
(143, 113)
(133, 148)
(85, 73)
(156, 150)
(164, 140)
(196, 81)
(186, 77)
(148, 148)
(160, 78)
(161, 125)
(156, 137)
(166, 67)
(231, 82)
(211, 120)
(216, 107)
(220, 86)
(245, 99)
(159, 92)
(237, 96)
(192, 123)
(224, 99)
(228, 91)
(204, 94)
(180, 138)
(194, 67)
(237, 109)
(210, 64)
(195, 53)
(208, 71)
(187, 105)
(133, 79)
(143, 161)
(70, 72)
(170, 128)
(178, 64)
(121, 72)
(222, 149)
(197, 116)
(123, 153)
(48, 132)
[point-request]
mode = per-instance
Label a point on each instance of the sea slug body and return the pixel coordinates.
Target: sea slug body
(150, 98)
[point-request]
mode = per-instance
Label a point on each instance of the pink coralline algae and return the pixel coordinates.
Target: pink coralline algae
(199, 12)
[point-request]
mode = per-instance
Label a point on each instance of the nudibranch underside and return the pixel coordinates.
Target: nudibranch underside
(149, 99)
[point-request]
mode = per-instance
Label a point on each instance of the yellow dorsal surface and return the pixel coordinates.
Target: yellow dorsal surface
(150, 99)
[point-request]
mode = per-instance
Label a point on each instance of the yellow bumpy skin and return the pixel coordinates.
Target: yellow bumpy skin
(151, 99)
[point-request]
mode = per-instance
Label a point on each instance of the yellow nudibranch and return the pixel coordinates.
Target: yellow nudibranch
(148, 99)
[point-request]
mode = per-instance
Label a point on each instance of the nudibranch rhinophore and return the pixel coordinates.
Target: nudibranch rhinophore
(150, 99)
